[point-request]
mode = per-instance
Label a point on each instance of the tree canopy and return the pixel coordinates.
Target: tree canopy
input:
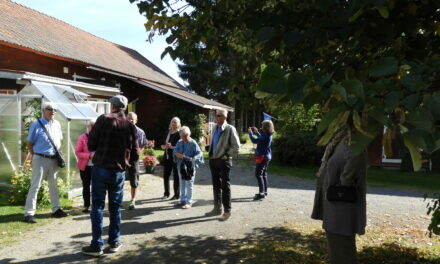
(368, 64)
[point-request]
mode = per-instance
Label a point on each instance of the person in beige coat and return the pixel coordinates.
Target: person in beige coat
(341, 220)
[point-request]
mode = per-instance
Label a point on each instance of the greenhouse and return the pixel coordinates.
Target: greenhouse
(19, 111)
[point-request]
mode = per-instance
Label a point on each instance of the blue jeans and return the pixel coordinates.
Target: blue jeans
(186, 189)
(261, 174)
(104, 180)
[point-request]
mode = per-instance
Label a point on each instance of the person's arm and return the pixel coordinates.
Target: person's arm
(30, 147)
(94, 133)
(79, 149)
(177, 152)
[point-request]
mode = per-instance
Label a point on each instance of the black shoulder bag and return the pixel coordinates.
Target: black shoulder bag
(60, 159)
(339, 193)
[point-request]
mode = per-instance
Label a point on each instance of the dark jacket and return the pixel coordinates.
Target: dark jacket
(343, 168)
(113, 138)
(174, 138)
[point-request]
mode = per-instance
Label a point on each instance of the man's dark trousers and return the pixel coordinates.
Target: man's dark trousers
(220, 169)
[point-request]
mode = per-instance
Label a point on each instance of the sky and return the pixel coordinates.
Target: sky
(117, 21)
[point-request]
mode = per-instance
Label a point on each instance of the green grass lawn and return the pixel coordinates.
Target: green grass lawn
(11, 218)
(379, 177)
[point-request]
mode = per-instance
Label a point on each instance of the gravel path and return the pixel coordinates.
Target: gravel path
(156, 232)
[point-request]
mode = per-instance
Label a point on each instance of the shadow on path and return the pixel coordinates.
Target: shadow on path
(263, 245)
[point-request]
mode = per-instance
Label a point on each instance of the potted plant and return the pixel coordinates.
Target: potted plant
(150, 161)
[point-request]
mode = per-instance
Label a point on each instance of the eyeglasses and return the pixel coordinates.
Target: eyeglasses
(50, 109)
(219, 115)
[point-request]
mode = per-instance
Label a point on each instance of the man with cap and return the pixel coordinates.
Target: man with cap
(44, 162)
(113, 139)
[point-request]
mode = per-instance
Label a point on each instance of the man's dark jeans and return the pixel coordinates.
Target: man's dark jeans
(220, 169)
(103, 180)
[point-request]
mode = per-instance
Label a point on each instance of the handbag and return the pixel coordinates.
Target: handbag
(338, 193)
(187, 169)
(258, 159)
(59, 155)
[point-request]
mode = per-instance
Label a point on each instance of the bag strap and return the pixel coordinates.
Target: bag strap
(48, 135)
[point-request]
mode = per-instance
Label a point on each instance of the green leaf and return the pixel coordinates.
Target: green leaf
(432, 103)
(328, 118)
(272, 80)
(265, 33)
(355, 91)
(411, 101)
(378, 116)
(393, 99)
(340, 90)
(383, 67)
(324, 79)
(359, 143)
(334, 126)
(416, 156)
(413, 82)
(422, 119)
(296, 82)
(383, 11)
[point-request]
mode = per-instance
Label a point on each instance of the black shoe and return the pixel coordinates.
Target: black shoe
(92, 251)
(175, 197)
(59, 213)
(30, 219)
(86, 210)
(259, 197)
(115, 247)
(214, 212)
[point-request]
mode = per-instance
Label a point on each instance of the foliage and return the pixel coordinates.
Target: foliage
(34, 108)
(294, 119)
(21, 182)
(299, 150)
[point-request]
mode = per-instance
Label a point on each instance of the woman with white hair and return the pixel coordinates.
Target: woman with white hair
(85, 164)
(168, 162)
(188, 156)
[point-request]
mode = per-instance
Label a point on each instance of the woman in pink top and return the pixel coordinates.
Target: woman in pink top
(85, 165)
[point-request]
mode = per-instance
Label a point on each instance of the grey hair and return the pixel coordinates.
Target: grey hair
(133, 115)
(223, 111)
(184, 131)
(49, 104)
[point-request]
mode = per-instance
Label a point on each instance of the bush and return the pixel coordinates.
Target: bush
(21, 182)
(299, 150)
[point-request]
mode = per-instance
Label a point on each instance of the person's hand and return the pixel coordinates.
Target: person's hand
(250, 130)
(163, 146)
(179, 155)
(169, 145)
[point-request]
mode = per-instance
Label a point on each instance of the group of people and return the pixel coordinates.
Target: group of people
(112, 146)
